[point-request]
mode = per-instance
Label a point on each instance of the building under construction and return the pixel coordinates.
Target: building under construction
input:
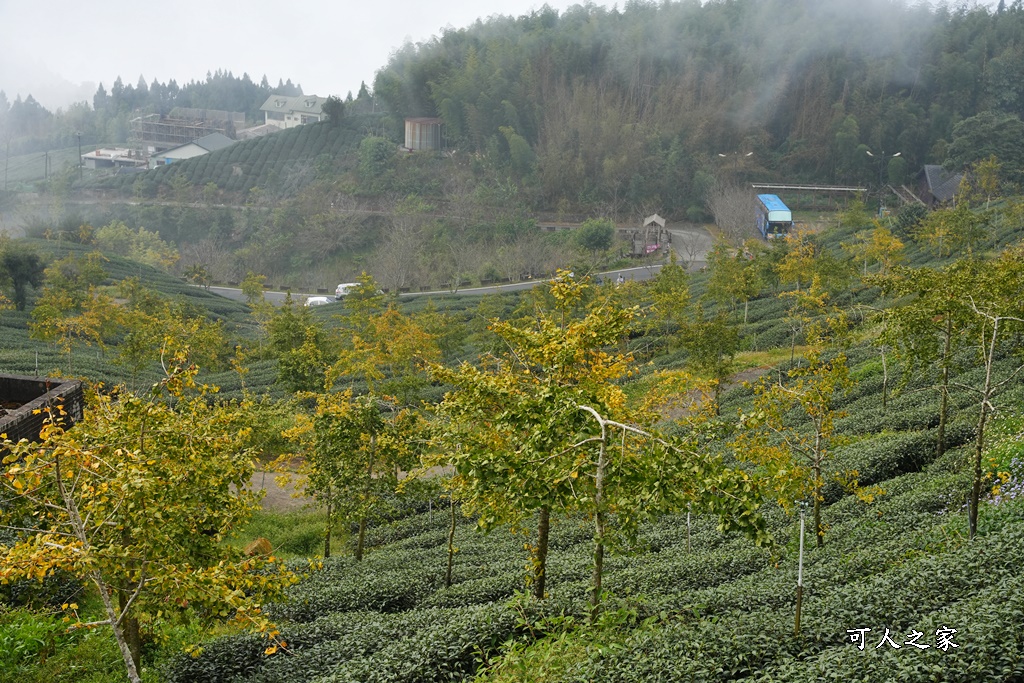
(155, 133)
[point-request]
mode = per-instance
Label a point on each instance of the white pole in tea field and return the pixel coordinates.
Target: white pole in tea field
(800, 570)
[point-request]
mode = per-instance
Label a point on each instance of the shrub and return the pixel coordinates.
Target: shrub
(57, 588)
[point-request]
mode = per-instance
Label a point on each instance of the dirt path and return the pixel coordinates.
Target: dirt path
(277, 498)
(745, 376)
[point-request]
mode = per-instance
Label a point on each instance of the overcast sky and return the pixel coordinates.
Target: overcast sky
(59, 51)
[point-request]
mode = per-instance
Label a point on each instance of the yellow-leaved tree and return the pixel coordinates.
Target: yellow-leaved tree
(792, 450)
(354, 446)
(136, 499)
(544, 426)
(972, 305)
(353, 449)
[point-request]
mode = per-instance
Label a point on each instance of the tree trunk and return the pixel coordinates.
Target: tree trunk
(688, 527)
(369, 483)
(818, 531)
(595, 590)
(979, 444)
(451, 542)
(599, 526)
(540, 554)
(129, 624)
(361, 538)
(800, 576)
(112, 615)
(130, 629)
(327, 533)
(979, 441)
(885, 381)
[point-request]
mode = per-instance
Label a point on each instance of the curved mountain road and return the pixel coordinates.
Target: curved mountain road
(690, 244)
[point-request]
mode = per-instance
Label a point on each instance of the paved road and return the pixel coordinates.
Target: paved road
(690, 244)
(277, 298)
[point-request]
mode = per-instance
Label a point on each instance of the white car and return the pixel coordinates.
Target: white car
(345, 288)
(318, 300)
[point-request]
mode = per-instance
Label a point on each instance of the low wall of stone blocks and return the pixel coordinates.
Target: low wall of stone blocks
(34, 394)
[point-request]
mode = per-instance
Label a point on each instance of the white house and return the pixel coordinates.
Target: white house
(288, 112)
(112, 158)
(196, 148)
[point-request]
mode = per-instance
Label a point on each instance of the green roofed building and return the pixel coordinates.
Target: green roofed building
(196, 148)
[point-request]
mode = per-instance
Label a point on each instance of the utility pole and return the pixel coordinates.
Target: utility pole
(882, 159)
(79, 134)
(736, 159)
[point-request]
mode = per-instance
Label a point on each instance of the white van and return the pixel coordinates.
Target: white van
(345, 288)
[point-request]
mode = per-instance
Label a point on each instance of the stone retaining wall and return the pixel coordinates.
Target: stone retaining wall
(35, 393)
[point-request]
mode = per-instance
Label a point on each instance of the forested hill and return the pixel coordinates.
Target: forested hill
(634, 107)
(631, 111)
(27, 127)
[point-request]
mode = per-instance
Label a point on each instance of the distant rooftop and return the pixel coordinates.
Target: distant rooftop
(307, 104)
(942, 184)
(213, 142)
(106, 157)
(257, 131)
(109, 153)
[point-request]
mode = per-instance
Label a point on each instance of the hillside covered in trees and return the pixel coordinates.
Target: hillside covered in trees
(27, 127)
(620, 109)
(590, 112)
(637, 106)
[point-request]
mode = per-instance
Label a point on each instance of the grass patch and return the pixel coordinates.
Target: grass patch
(559, 648)
(748, 360)
(35, 647)
(296, 533)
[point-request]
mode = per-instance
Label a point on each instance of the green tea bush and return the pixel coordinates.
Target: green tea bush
(421, 645)
(989, 634)
(451, 650)
(768, 308)
(881, 457)
(318, 647)
(697, 651)
(671, 532)
(358, 587)
(770, 334)
(868, 386)
(756, 644)
(477, 591)
(989, 625)
(57, 588)
(676, 571)
(224, 659)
